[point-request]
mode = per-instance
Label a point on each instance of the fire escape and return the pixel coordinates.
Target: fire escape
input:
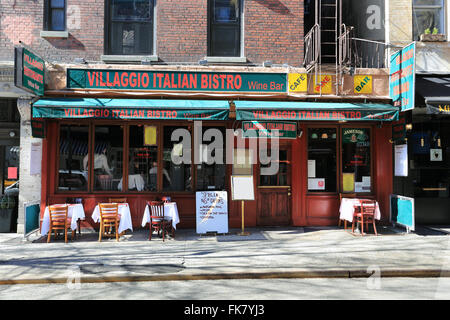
(327, 44)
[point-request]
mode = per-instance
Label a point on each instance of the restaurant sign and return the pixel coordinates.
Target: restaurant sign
(402, 77)
(269, 129)
(29, 71)
(130, 109)
(438, 108)
(176, 80)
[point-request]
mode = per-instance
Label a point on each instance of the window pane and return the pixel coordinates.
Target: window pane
(58, 23)
(427, 21)
(226, 10)
(176, 177)
(108, 157)
(322, 159)
(142, 160)
(131, 38)
(73, 149)
(356, 160)
(281, 177)
(57, 3)
(132, 10)
(211, 172)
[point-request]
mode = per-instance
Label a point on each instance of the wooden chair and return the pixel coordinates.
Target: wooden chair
(345, 195)
(157, 221)
(365, 215)
(117, 200)
(59, 220)
(109, 218)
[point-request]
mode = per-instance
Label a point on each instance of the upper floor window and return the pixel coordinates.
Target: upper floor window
(224, 28)
(55, 15)
(129, 26)
(428, 17)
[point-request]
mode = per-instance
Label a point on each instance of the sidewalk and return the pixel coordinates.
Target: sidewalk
(291, 252)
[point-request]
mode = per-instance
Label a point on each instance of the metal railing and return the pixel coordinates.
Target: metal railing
(368, 53)
(312, 48)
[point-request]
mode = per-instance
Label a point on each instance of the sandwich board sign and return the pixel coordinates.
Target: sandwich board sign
(211, 211)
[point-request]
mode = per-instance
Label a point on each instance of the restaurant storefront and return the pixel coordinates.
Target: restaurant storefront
(103, 146)
(428, 178)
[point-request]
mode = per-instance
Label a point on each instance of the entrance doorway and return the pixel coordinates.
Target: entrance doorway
(274, 193)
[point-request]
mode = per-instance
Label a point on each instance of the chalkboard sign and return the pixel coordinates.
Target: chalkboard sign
(212, 211)
(402, 211)
(242, 188)
(32, 214)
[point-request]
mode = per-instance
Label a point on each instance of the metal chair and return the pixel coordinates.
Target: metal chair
(109, 218)
(59, 220)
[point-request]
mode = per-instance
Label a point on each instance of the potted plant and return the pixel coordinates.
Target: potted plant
(7, 205)
(432, 36)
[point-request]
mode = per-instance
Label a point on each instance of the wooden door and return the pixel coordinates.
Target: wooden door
(274, 193)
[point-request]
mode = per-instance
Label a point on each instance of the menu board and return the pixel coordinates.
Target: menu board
(242, 188)
(212, 211)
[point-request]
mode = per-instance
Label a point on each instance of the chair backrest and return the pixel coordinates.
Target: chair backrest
(117, 200)
(108, 211)
(58, 212)
(368, 207)
(156, 209)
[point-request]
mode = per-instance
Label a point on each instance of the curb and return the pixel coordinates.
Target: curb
(342, 274)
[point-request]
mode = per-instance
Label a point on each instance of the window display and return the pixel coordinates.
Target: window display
(356, 160)
(322, 159)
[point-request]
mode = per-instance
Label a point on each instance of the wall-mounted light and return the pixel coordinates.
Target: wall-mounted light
(12, 134)
(202, 62)
(267, 64)
(299, 133)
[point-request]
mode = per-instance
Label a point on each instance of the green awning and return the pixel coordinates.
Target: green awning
(130, 109)
(314, 111)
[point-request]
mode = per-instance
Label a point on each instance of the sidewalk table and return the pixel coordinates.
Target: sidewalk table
(124, 216)
(170, 213)
(74, 211)
(347, 209)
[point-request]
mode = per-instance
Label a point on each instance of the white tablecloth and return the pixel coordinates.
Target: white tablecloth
(347, 209)
(124, 215)
(75, 212)
(135, 181)
(170, 213)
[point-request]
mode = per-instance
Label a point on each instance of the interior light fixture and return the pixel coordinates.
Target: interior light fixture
(324, 135)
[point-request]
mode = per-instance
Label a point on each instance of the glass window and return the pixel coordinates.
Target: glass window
(142, 159)
(108, 157)
(211, 172)
(356, 161)
(322, 159)
(428, 17)
(176, 177)
(282, 177)
(224, 28)
(73, 149)
(56, 15)
(130, 27)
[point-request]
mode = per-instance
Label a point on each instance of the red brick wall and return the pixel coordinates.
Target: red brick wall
(273, 30)
(23, 20)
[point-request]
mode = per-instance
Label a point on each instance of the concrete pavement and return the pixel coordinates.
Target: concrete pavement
(291, 252)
